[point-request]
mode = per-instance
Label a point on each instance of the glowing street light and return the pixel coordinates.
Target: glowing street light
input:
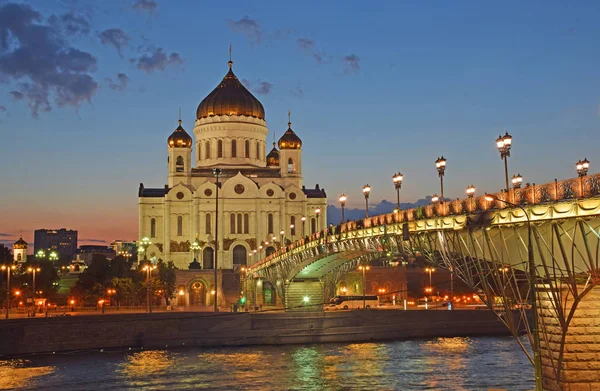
(470, 191)
(303, 219)
(8, 268)
(53, 256)
(342, 200)
(435, 198)
(40, 254)
(397, 179)
(366, 191)
(148, 269)
(364, 269)
(143, 246)
(292, 231)
(33, 270)
(582, 167)
(318, 213)
(282, 233)
(504, 143)
(440, 165)
(516, 181)
(195, 247)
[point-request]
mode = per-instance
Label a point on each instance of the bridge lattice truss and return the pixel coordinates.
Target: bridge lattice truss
(484, 244)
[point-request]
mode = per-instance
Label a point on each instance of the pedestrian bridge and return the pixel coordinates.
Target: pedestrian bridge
(482, 242)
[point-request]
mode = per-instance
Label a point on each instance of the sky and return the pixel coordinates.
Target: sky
(90, 91)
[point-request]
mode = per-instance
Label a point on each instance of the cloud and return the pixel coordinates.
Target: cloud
(114, 37)
(70, 24)
(120, 84)
(4, 235)
(297, 92)
(305, 43)
(246, 82)
(145, 6)
(41, 61)
(248, 27)
(156, 59)
(3, 110)
(351, 63)
(93, 240)
(264, 88)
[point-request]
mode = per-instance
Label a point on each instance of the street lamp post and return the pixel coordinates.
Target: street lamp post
(504, 143)
(429, 270)
(33, 270)
(53, 256)
(303, 219)
(216, 172)
(148, 269)
(318, 213)
(516, 181)
(292, 232)
(366, 191)
(582, 167)
(342, 200)
(532, 291)
(195, 247)
(282, 233)
(8, 269)
(440, 164)
(435, 198)
(398, 178)
(364, 269)
(470, 193)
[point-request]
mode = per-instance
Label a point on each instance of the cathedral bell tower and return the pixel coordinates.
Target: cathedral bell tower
(290, 156)
(20, 251)
(180, 156)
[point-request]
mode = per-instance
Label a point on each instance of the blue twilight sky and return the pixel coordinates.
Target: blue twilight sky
(90, 91)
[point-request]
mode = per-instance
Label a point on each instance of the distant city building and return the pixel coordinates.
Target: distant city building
(20, 251)
(86, 253)
(63, 241)
(124, 248)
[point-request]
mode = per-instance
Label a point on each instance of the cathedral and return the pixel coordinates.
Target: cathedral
(261, 199)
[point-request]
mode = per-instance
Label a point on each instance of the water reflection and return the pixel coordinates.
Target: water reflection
(144, 367)
(19, 373)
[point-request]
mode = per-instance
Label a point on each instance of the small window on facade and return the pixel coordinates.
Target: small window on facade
(257, 150)
(179, 161)
(233, 148)
(219, 148)
(152, 228)
(313, 225)
(239, 223)
(179, 225)
(293, 222)
(232, 223)
(207, 225)
(207, 152)
(291, 166)
(246, 223)
(270, 223)
(247, 149)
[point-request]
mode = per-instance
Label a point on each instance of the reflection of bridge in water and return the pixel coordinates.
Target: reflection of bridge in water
(485, 244)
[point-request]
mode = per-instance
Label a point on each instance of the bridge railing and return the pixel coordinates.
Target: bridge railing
(530, 194)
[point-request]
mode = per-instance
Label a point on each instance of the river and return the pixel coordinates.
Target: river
(434, 364)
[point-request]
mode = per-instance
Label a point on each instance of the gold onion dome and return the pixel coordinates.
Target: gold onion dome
(290, 140)
(20, 244)
(179, 138)
(230, 98)
(273, 157)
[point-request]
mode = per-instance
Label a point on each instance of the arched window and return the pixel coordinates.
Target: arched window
(207, 150)
(207, 224)
(233, 148)
(239, 223)
(239, 255)
(269, 250)
(179, 225)
(247, 148)
(246, 223)
(219, 148)
(19, 257)
(232, 223)
(313, 225)
(270, 223)
(179, 161)
(152, 228)
(257, 150)
(291, 166)
(293, 222)
(207, 258)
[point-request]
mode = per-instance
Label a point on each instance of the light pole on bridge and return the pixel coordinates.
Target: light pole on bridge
(366, 191)
(397, 179)
(303, 219)
(516, 181)
(364, 269)
(216, 172)
(582, 167)
(504, 143)
(440, 164)
(532, 292)
(342, 200)
(318, 213)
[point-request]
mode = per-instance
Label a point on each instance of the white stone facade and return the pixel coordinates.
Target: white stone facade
(256, 201)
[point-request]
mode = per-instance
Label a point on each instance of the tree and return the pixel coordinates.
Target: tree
(5, 255)
(167, 276)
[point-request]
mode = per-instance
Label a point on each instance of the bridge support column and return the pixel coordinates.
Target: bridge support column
(570, 353)
(305, 295)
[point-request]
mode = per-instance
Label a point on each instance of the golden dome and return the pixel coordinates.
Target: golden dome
(179, 138)
(290, 140)
(273, 157)
(20, 244)
(230, 98)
